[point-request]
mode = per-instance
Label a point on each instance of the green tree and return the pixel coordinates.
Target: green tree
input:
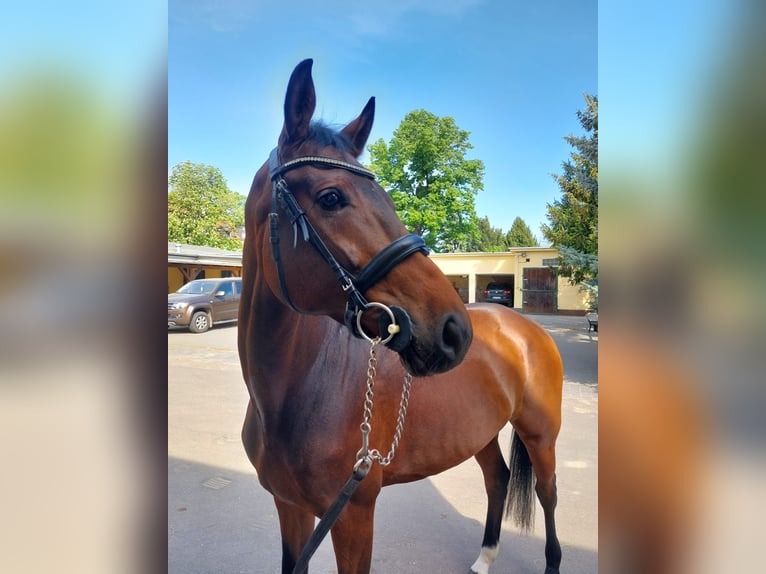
(202, 210)
(582, 270)
(488, 239)
(520, 235)
(573, 219)
(431, 182)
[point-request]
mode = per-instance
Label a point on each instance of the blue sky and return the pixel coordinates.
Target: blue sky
(512, 74)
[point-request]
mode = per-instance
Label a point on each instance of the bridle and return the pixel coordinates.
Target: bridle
(394, 320)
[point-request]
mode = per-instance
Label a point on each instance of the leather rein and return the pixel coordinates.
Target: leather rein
(394, 320)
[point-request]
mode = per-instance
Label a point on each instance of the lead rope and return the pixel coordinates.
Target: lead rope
(364, 459)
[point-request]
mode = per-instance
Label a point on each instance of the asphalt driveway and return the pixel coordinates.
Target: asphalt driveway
(221, 521)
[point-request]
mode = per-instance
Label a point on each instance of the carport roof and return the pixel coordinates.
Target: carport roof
(182, 254)
(201, 255)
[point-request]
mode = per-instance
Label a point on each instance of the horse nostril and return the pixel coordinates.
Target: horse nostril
(453, 339)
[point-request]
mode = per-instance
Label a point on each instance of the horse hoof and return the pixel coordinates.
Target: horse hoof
(550, 570)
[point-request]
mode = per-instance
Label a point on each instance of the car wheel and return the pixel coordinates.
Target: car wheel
(200, 322)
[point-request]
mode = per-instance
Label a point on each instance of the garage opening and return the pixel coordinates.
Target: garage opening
(496, 288)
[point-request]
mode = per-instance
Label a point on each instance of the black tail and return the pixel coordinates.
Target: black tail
(521, 491)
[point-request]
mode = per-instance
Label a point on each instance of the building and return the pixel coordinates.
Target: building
(531, 272)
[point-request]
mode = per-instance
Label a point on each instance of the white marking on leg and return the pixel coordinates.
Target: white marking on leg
(486, 558)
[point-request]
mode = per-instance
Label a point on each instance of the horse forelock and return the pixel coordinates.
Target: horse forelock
(323, 135)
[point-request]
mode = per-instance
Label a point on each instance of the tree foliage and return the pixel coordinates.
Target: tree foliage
(487, 239)
(573, 219)
(582, 270)
(577, 265)
(202, 210)
(520, 235)
(431, 182)
(490, 239)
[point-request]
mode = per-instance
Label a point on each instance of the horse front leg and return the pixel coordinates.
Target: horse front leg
(352, 538)
(296, 526)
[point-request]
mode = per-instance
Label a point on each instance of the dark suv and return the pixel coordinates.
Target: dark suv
(499, 293)
(203, 302)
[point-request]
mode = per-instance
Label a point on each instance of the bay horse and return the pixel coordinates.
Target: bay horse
(330, 273)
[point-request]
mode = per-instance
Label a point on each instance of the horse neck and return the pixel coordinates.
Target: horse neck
(279, 346)
(281, 350)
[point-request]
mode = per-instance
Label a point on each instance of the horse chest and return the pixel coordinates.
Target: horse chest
(303, 468)
(295, 431)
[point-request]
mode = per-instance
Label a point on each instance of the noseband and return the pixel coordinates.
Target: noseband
(354, 287)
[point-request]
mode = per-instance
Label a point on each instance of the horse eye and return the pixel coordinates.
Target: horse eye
(330, 200)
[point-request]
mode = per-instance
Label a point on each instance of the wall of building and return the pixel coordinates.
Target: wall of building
(176, 278)
(570, 297)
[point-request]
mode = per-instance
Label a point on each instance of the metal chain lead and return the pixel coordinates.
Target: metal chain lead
(366, 455)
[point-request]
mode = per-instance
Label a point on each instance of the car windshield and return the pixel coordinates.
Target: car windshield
(198, 287)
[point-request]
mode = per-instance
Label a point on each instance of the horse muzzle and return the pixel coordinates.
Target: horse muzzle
(429, 352)
(443, 350)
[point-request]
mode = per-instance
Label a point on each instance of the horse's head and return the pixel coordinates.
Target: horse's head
(329, 241)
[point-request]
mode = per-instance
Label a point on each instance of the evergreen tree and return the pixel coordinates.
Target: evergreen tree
(488, 239)
(492, 239)
(573, 219)
(520, 235)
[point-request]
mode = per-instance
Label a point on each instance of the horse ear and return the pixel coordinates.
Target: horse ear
(358, 130)
(300, 102)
